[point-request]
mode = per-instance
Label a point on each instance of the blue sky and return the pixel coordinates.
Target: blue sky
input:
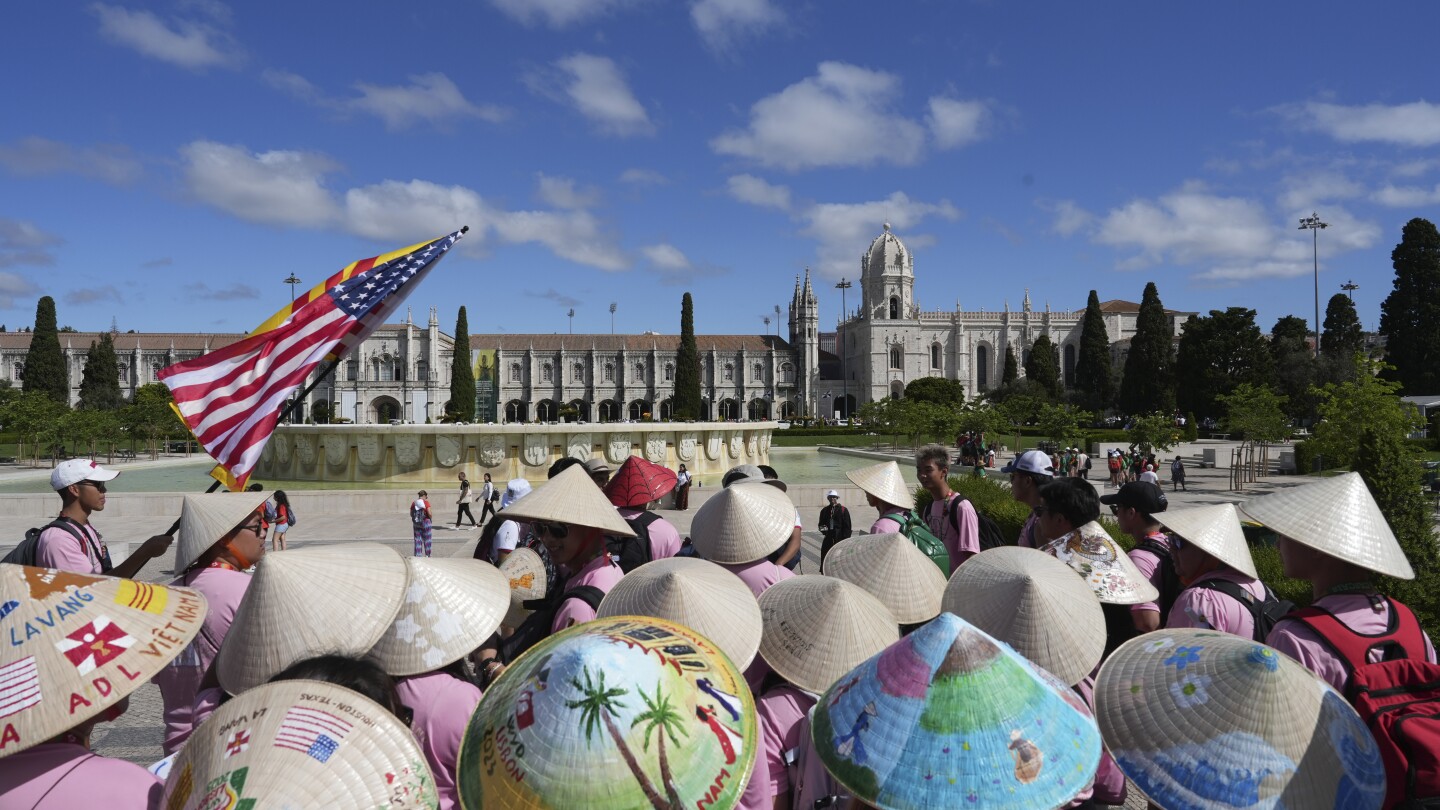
(169, 164)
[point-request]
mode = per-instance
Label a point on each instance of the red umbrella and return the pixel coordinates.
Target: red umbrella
(639, 482)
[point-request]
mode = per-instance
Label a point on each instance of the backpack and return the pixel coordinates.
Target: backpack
(291, 519)
(28, 550)
(917, 531)
(632, 552)
(1398, 698)
(1087, 462)
(1170, 586)
(536, 626)
(1265, 613)
(990, 534)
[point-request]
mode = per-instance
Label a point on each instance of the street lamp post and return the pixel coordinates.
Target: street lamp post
(1350, 287)
(292, 281)
(612, 317)
(844, 380)
(1313, 224)
(571, 315)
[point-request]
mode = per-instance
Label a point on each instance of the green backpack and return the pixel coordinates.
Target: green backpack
(917, 531)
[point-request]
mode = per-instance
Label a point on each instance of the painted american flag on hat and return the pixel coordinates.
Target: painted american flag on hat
(313, 732)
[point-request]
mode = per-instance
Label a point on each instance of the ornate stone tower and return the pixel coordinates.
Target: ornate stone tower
(887, 277)
(805, 340)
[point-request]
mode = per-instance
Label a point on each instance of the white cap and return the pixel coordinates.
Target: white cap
(514, 491)
(1030, 461)
(76, 470)
(832, 494)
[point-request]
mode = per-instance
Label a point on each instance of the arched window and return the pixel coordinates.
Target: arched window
(638, 374)
(897, 357)
(757, 372)
(19, 372)
(935, 355)
(894, 307)
(547, 374)
(982, 367)
(669, 372)
(577, 372)
(515, 373)
(787, 373)
(422, 371)
(155, 372)
(1070, 365)
(125, 373)
(729, 372)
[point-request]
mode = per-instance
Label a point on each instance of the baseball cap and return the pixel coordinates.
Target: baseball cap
(1030, 461)
(832, 494)
(1141, 495)
(76, 470)
(516, 489)
(597, 464)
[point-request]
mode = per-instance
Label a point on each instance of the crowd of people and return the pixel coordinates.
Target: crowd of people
(579, 652)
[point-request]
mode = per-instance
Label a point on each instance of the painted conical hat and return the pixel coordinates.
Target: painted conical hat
(1095, 556)
(572, 498)
(451, 607)
(950, 717)
(697, 594)
(524, 572)
(77, 644)
(204, 519)
(314, 601)
(1204, 719)
(742, 523)
(1215, 530)
(894, 571)
(885, 482)
(639, 482)
(617, 713)
(817, 628)
(1336, 516)
(1034, 603)
(300, 744)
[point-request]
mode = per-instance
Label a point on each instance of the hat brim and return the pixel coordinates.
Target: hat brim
(451, 607)
(892, 570)
(817, 628)
(742, 523)
(206, 519)
(573, 499)
(697, 594)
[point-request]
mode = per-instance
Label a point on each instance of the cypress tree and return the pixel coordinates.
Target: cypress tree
(462, 375)
(1343, 336)
(1146, 386)
(100, 383)
(687, 365)
(1393, 476)
(1410, 316)
(1012, 368)
(1092, 369)
(1044, 365)
(44, 363)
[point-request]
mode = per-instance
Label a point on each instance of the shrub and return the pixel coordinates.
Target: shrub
(992, 499)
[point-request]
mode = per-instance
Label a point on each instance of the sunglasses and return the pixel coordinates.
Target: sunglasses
(258, 528)
(559, 531)
(99, 485)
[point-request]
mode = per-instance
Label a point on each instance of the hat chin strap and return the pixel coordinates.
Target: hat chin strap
(241, 560)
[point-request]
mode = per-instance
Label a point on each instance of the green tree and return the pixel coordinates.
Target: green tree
(1147, 384)
(950, 393)
(597, 710)
(320, 414)
(1348, 409)
(462, 374)
(1343, 336)
(1256, 412)
(687, 365)
(1217, 353)
(1392, 473)
(1062, 423)
(100, 382)
(1043, 365)
(91, 429)
(149, 417)
(1152, 432)
(982, 417)
(1021, 407)
(1092, 368)
(1296, 371)
(34, 418)
(1012, 369)
(1410, 315)
(885, 417)
(44, 363)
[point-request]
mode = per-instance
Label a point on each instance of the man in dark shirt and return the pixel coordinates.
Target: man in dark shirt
(834, 523)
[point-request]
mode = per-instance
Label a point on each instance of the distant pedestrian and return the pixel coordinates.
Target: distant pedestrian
(489, 495)
(284, 519)
(1177, 475)
(466, 497)
(682, 489)
(420, 521)
(834, 523)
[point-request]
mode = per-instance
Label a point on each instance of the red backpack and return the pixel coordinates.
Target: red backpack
(1398, 698)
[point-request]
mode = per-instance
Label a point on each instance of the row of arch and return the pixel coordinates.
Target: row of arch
(639, 372)
(609, 410)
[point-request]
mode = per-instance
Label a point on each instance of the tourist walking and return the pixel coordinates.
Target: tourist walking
(682, 489)
(834, 523)
(1177, 475)
(466, 497)
(420, 521)
(489, 496)
(284, 519)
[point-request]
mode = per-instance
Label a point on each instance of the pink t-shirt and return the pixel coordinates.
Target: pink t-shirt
(602, 573)
(888, 522)
(442, 705)
(1028, 531)
(664, 538)
(757, 795)
(180, 679)
(206, 702)
(1149, 565)
(1304, 645)
(65, 776)
(759, 575)
(1209, 609)
(962, 543)
(60, 550)
(780, 711)
(1109, 784)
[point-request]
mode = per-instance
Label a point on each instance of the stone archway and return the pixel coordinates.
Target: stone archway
(609, 411)
(547, 411)
(758, 410)
(383, 409)
(787, 410)
(638, 410)
(516, 411)
(577, 410)
(729, 410)
(667, 409)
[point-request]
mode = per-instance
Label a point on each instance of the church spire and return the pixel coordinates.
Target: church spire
(1026, 305)
(809, 293)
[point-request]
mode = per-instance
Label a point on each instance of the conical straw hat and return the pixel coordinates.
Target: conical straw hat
(698, 594)
(624, 712)
(817, 628)
(76, 644)
(894, 571)
(1200, 719)
(742, 523)
(1336, 516)
(1034, 603)
(204, 519)
(450, 608)
(300, 744)
(639, 482)
(1095, 556)
(327, 600)
(950, 717)
(885, 482)
(524, 572)
(1215, 530)
(570, 498)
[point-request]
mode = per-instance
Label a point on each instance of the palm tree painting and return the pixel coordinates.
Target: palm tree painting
(597, 706)
(660, 715)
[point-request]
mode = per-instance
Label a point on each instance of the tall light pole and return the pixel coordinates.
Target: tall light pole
(777, 320)
(844, 380)
(1350, 287)
(571, 314)
(292, 281)
(1313, 224)
(766, 319)
(612, 317)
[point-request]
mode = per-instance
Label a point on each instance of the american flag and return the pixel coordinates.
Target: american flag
(231, 398)
(312, 732)
(19, 686)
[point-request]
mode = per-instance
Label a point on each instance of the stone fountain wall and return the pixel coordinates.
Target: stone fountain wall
(433, 454)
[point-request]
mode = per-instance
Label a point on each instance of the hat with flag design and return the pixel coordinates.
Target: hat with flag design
(300, 744)
(76, 644)
(451, 606)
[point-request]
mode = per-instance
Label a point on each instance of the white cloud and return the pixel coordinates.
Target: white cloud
(666, 257)
(1414, 124)
(839, 227)
(748, 188)
(188, 43)
(1415, 168)
(37, 156)
(643, 177)
(94, 295)
(429, 97)
(12, 286)
(394, 211)
(22, 243)
(1310, 190)
(234, 292)
(562, 192)
(954, 123)
(842, 116)
(723, 22)
(596, 88)
(1407, 196)
(275, 188)
(556, 13)
(574, 235)
(1070, 217)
